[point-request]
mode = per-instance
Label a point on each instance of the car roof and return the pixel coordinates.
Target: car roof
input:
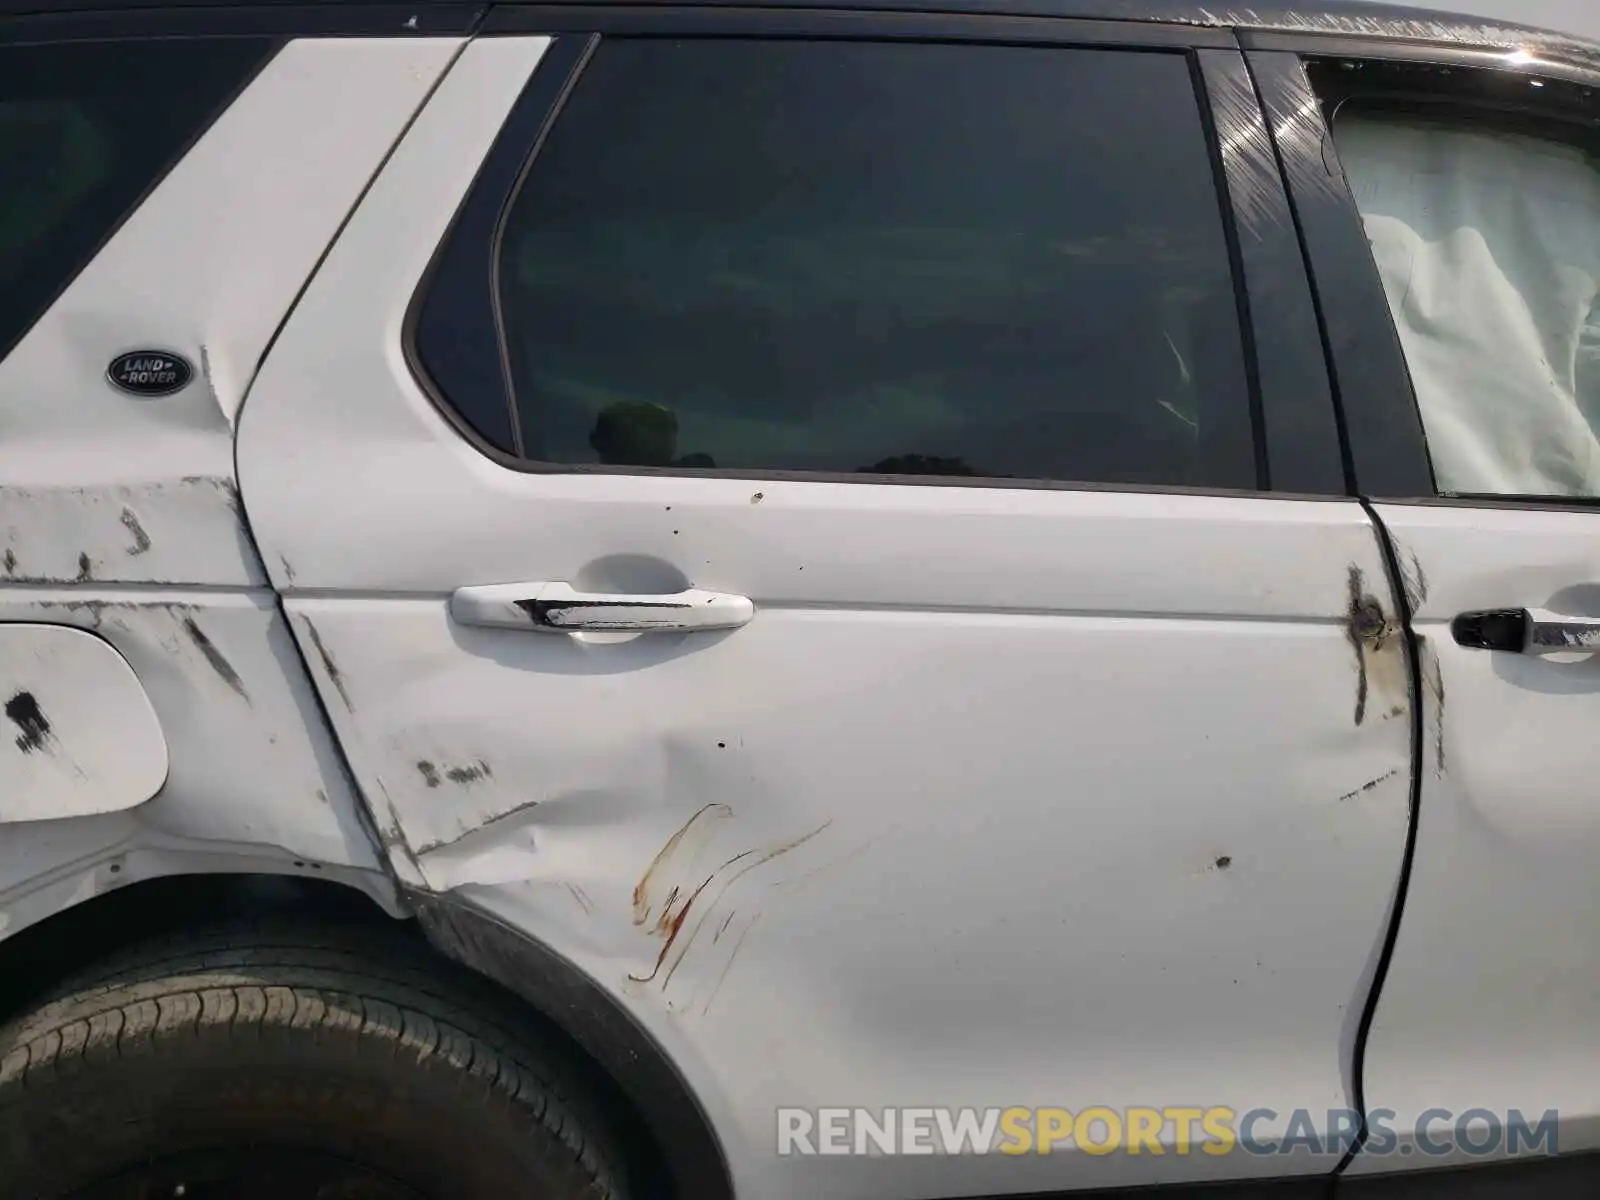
(1365, 19)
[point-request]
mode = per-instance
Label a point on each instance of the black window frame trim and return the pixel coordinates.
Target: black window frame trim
(1300, 445)
(426, 19)
(1288, 467)
(1376, 404)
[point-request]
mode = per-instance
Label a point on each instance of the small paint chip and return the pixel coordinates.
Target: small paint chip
(85, 569)
(11, 562)
(757, 498)
(1224, 861)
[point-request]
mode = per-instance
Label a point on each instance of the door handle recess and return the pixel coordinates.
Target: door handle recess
(1525, 631)
(558, 608)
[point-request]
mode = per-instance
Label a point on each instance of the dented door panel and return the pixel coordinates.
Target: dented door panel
(1003, 796)
(1489, 998)
(81, 737)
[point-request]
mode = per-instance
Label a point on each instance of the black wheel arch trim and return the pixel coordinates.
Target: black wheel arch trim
(548, 982)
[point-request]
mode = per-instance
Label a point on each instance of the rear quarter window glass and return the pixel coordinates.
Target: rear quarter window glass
(86, 129)
(881, 259)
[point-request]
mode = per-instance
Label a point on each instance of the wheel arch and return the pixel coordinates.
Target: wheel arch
(672, 1150)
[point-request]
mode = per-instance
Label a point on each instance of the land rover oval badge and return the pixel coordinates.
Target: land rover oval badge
(150, 373)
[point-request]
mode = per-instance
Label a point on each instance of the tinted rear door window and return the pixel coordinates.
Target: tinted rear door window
(884, 258)
(85, 130)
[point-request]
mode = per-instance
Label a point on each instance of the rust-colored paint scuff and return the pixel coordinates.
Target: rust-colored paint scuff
(728, 966)
(641, 890)
(766, 857)
(665, 918)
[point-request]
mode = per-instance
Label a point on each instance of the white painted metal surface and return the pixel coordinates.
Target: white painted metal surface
(118, 515)
(98, 485)
(255, 782)
(1490, 999)
(79, 737)
(1003, 797)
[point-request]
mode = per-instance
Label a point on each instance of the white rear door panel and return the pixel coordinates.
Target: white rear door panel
(1004, 796)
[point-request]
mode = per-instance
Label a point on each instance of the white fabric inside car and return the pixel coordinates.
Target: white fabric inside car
(1489, 248)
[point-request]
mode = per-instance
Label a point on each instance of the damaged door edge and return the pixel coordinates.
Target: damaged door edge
(365, 814)
(601, 1026)
(1369, 1011)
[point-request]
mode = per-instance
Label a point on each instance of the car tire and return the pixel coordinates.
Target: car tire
(252, 1062)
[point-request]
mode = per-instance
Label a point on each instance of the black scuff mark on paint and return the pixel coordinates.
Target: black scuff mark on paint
(23, 711)
(1433, 679)
(85, 569)
(1370, 785)
(215, 657)
(331, 667)
(10, 561)
(497, 819)
(469, 775)
(141, 539)
(1366, 629)
(230, 493)
(429, 773)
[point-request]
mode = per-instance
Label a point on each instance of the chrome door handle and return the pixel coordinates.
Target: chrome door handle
(560, 609)
(1526, 631)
